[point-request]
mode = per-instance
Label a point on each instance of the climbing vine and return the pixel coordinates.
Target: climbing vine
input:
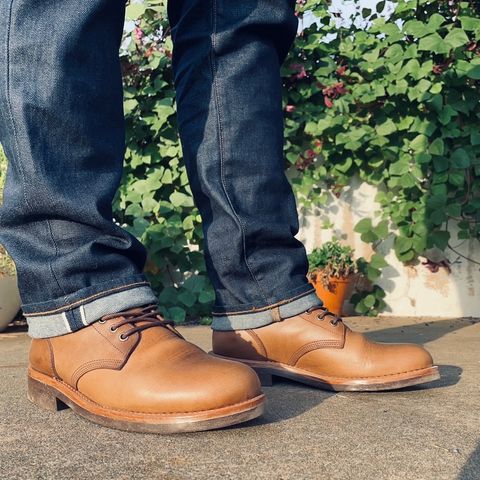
(394, 101)
(397, 103)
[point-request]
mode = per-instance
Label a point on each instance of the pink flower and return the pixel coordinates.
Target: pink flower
(340, 88)
(138, 33)
(335, 91)
(290, 108)
(300, 69)
(328, 102)
(149, 52)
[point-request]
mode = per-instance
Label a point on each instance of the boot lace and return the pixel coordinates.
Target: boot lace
(149, 316)
(324, 312)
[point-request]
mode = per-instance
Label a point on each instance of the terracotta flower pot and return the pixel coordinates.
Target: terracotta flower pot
(9, 300)
(334, 294)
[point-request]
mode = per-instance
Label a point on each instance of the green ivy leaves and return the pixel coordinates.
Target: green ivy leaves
(396, 104)
(408, 123)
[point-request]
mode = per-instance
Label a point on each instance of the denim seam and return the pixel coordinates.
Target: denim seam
(213, 67)
(263, 309)
(87, 299)
(15, 136)
(9, 104)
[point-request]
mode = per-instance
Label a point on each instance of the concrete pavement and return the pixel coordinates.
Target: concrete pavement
(418, 433)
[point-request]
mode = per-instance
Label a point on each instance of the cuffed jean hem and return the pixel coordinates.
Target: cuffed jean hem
(267, 315)
(73, 319)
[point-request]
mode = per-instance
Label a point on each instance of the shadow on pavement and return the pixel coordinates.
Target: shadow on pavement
(449, 375)
(285, 400)
(288, 399)
(471, 470)
(423, 332)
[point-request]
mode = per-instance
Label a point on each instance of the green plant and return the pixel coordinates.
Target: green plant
(7, 267)
(331, 260)
(155, 202)
(336, 260)
(369, 303)
(394, 102)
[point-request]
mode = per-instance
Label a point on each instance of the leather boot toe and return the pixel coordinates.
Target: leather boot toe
(134, 371)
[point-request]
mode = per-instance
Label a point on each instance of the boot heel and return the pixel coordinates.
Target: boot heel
(43, 396)
(266, 379)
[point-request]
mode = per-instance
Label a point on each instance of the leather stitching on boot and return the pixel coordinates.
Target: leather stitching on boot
(309, 347)
(94, 365)
(258, 342)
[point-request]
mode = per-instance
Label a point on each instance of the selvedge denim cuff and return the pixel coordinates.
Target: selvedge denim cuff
(82, 313)
(260, 317)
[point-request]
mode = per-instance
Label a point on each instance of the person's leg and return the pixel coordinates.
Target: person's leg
(80, 274)
(266, 315)
(227, 75)
(61, 125)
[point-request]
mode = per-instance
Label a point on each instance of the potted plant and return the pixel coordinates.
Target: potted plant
(9, 296)
(332, 268)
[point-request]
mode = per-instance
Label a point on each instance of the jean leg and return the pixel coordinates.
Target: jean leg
(227, 58)
(62, 127)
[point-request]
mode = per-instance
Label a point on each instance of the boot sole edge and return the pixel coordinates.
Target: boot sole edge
(266, 372)
(53, 395)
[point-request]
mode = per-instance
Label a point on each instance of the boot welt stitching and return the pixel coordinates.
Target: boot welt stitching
(372, 376)
(308, 372)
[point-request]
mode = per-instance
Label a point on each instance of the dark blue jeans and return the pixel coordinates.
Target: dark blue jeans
(61, 125)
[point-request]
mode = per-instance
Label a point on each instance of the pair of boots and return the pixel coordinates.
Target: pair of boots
(134, 371)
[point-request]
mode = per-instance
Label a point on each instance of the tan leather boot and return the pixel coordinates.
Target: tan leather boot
(318, 349)
(134, 371)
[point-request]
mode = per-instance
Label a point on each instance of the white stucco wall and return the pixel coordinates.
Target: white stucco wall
(411, 290)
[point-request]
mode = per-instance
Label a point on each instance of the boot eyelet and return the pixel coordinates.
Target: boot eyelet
(102, 321)
(113, 329)
(123, 338)
(334, 324)
(319, 317)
